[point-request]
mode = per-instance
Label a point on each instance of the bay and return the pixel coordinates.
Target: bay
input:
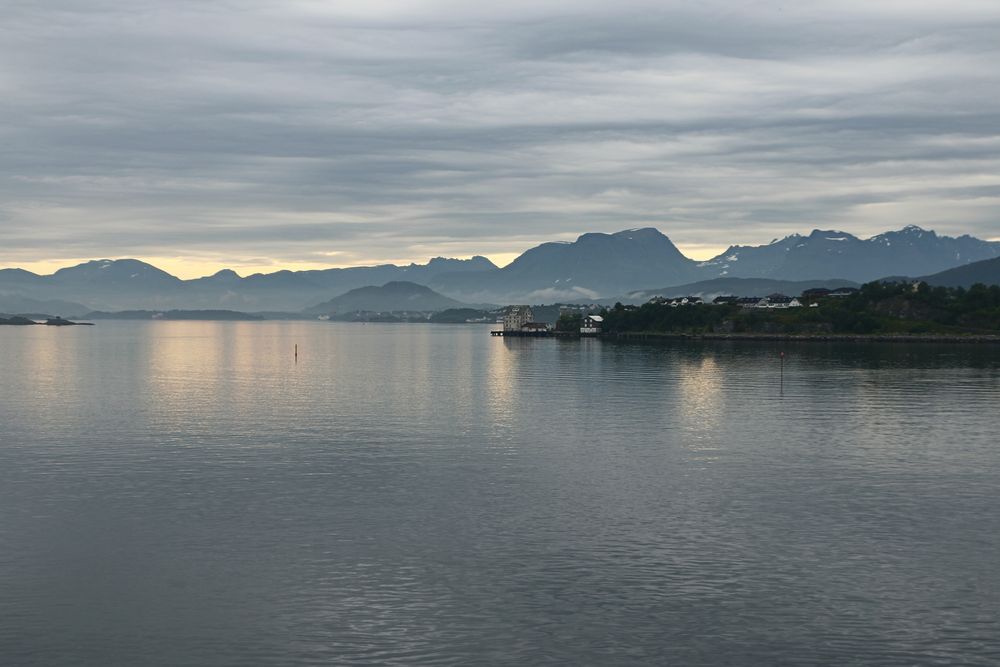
(188, 493)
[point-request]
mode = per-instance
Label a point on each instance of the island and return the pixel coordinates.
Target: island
(20, 320)
(16, 320)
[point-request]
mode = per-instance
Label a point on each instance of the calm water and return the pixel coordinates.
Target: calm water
(185, 494)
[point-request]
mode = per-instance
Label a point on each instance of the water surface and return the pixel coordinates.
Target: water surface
(185, 493)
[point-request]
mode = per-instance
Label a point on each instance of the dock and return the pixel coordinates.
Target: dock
(552, 333)
(522, 334)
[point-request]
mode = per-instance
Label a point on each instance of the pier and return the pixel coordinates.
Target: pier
(522, 334)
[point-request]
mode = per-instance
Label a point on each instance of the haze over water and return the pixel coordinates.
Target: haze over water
(185, 493)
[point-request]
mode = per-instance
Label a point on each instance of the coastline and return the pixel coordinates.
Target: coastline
(806, 338)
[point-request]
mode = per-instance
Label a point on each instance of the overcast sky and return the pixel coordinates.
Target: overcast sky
(262, 135)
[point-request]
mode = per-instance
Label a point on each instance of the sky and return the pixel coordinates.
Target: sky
(300, 134)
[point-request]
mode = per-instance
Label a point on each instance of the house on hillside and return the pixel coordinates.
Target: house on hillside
(723, 300)
(779, 301)
(683, 301)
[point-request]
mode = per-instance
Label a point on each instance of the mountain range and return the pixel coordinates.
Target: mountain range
(832, 254)
(593, 267)
(123, 284)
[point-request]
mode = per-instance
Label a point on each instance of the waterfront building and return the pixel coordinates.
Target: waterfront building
(592, 325)
(515, 317)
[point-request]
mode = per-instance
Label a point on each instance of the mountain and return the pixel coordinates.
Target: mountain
(986, 272)
(295, 290)
(97, 282)
(709, 289)
(603, 265)
(119, 273)
(222, 278)
(833, 254)
(393, 296)
(128, 284)
(19, 278)
(592, 266)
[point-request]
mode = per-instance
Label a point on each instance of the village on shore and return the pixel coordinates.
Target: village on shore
(519, 320)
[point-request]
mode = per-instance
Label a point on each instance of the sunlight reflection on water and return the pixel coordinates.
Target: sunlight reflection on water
(186, 493)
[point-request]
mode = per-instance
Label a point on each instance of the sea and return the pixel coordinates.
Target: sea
(194, 493)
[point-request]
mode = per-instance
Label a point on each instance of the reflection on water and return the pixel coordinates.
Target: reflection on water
(186, 493)
(702, 403)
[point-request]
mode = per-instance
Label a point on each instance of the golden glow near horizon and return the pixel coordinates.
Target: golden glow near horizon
(188, 268)
(701, 251)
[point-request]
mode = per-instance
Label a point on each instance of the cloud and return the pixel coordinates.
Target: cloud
(305, 131)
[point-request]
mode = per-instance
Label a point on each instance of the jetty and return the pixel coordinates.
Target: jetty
(538, 333)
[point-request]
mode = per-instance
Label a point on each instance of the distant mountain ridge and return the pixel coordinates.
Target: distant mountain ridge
(129, 284)
(834, 254)
(594, 266)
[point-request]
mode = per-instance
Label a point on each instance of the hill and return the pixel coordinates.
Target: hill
(394, 296)
(986, 272)
(20, 304)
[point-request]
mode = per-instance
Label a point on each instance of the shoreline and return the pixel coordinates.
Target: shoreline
(808, 338)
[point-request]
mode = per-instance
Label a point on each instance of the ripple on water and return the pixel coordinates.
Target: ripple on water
(186, 494)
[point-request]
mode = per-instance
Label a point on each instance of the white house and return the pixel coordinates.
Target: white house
(778, 301)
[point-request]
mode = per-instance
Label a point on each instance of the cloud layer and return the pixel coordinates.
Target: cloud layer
(253, 133)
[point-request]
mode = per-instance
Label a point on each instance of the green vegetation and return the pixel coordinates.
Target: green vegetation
(877, 308)
(461, 316)
(569, 322)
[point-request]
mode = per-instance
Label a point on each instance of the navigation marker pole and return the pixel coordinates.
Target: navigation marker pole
(296, 353)
(782, 389)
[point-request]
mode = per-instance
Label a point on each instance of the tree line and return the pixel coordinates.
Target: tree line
(876, 308)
